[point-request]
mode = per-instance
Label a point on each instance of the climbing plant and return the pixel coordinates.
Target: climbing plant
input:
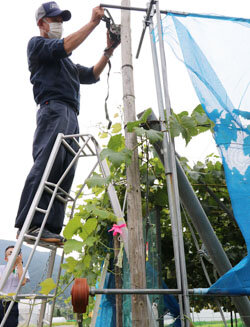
(87, 233)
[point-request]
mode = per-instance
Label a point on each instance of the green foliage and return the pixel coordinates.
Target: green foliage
(150, 134)
(87, 235)
(141, 121)
(190, 126)
(117, 157)
(47, 286)
(97, 180)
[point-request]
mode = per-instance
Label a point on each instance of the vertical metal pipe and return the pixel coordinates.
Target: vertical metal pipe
(57, 284)
(173, 192)
(49, 275)
(165, 156)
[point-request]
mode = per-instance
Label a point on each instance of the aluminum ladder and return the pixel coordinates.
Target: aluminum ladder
(87, 146)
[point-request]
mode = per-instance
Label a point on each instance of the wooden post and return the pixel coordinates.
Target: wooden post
(118, 284)
(134, 209)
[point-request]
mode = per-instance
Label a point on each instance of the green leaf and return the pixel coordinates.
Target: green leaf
(70, 264)
(103, 135)
(116, 128)
(199, 109)
(97, 180)
(47, 285)
(201, 118)
(145, 115)
(154, 136)
(88, 228)
(132, 125)
(137, 123)
(175, 127)
(72, 226)
(194, 175)
(90, 241)
(117, 158)
(73, 245)
(87, 260)
(187, 122)
(116, 142)
(151, 134)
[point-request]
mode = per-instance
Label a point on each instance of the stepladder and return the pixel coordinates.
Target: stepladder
(79, 146)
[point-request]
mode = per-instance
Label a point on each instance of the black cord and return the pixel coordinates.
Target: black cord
(106, 99)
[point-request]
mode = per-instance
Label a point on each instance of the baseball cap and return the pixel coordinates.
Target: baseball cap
(51, 9)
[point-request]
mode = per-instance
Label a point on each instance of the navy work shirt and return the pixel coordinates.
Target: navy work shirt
(53, 75)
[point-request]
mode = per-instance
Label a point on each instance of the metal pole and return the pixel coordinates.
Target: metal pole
(175, 12)
(57, 284)
(114, 199)
(146, 23)
(93, 291)
(49, 274)
(171, 175)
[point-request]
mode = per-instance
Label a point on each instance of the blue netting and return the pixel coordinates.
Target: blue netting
(216, 52)
(107, 313)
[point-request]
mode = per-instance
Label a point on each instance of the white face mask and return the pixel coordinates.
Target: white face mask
(55, 30)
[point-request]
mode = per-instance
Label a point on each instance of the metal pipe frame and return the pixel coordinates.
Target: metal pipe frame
(113, 199)
(33, 208)
(195, 291)
(170, 170)
(95, 151)
(146, 24)
(174, 12)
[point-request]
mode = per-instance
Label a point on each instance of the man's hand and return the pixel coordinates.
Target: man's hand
(110, 44)
(19, 260)
(97, 14)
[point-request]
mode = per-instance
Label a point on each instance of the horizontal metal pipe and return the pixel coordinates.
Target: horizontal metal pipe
(26, 297)
(174, 12)
(104, 5)
(93, 291)
(196, 291)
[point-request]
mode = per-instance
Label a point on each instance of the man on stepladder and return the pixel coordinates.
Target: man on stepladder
(56, 82)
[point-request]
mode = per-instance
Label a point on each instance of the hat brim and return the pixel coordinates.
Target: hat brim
(65, 14)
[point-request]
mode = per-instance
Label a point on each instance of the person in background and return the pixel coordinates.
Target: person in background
(10, 287)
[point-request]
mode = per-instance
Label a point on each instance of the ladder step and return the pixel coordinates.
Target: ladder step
(67, 198)
(32, 239)
(28, 296)
(68, 147)
(41, 210)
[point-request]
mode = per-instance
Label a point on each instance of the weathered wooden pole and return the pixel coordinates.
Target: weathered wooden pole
(118, 284)
(134, 209)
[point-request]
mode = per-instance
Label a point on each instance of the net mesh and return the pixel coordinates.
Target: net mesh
(215, 50)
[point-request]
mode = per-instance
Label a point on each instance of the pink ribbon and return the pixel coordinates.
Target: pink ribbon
(117, 229)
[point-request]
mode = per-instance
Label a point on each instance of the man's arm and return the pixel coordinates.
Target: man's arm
(99, 67)
(72, 41)
(19, 265)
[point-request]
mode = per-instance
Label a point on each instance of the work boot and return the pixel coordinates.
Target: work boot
(46, 236)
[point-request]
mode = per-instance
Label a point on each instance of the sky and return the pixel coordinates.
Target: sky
(18, 109)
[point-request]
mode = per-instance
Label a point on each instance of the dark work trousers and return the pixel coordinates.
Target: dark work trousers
(52, 118)
(12, 320)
